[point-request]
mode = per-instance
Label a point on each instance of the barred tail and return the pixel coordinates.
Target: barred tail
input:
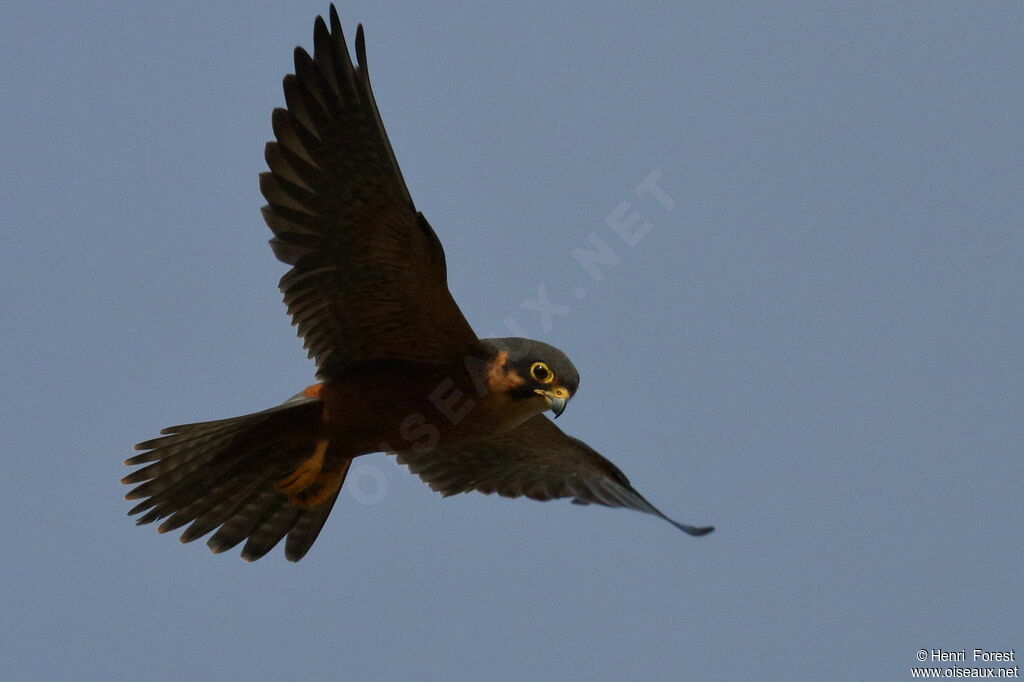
(226, 474)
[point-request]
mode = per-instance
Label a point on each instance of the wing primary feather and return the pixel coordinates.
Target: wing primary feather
(370, 102)
(294, 97)
(323, 56)
(342, 61)
(302, 146)
(317, 91)
(289, 166)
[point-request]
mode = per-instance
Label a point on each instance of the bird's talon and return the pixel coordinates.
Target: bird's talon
(320, 489)
(306, 473)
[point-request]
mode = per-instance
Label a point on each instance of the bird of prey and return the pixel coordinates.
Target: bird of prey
(399, 368)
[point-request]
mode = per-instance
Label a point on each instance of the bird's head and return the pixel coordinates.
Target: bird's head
(535, 371)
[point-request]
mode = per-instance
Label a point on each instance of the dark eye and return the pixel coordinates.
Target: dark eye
(541, 373)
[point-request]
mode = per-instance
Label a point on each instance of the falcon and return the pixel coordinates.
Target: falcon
(399, 368)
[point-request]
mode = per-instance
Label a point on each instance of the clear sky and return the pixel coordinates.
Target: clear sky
(816, 345)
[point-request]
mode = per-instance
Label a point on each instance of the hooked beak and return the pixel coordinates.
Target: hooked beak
(557, 399)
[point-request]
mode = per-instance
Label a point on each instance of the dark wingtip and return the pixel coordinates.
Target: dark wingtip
(320, 28)
(695, 531)
(361, 48)
(301, 58)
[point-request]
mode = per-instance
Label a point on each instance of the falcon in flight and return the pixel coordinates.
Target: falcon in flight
(399, 368)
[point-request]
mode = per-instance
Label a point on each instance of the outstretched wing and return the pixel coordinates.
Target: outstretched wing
(368, 279)
(536, 460)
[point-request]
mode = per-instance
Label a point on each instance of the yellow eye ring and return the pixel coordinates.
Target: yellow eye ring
(542, 373)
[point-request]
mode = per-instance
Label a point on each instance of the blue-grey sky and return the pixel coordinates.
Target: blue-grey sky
(816, 345)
